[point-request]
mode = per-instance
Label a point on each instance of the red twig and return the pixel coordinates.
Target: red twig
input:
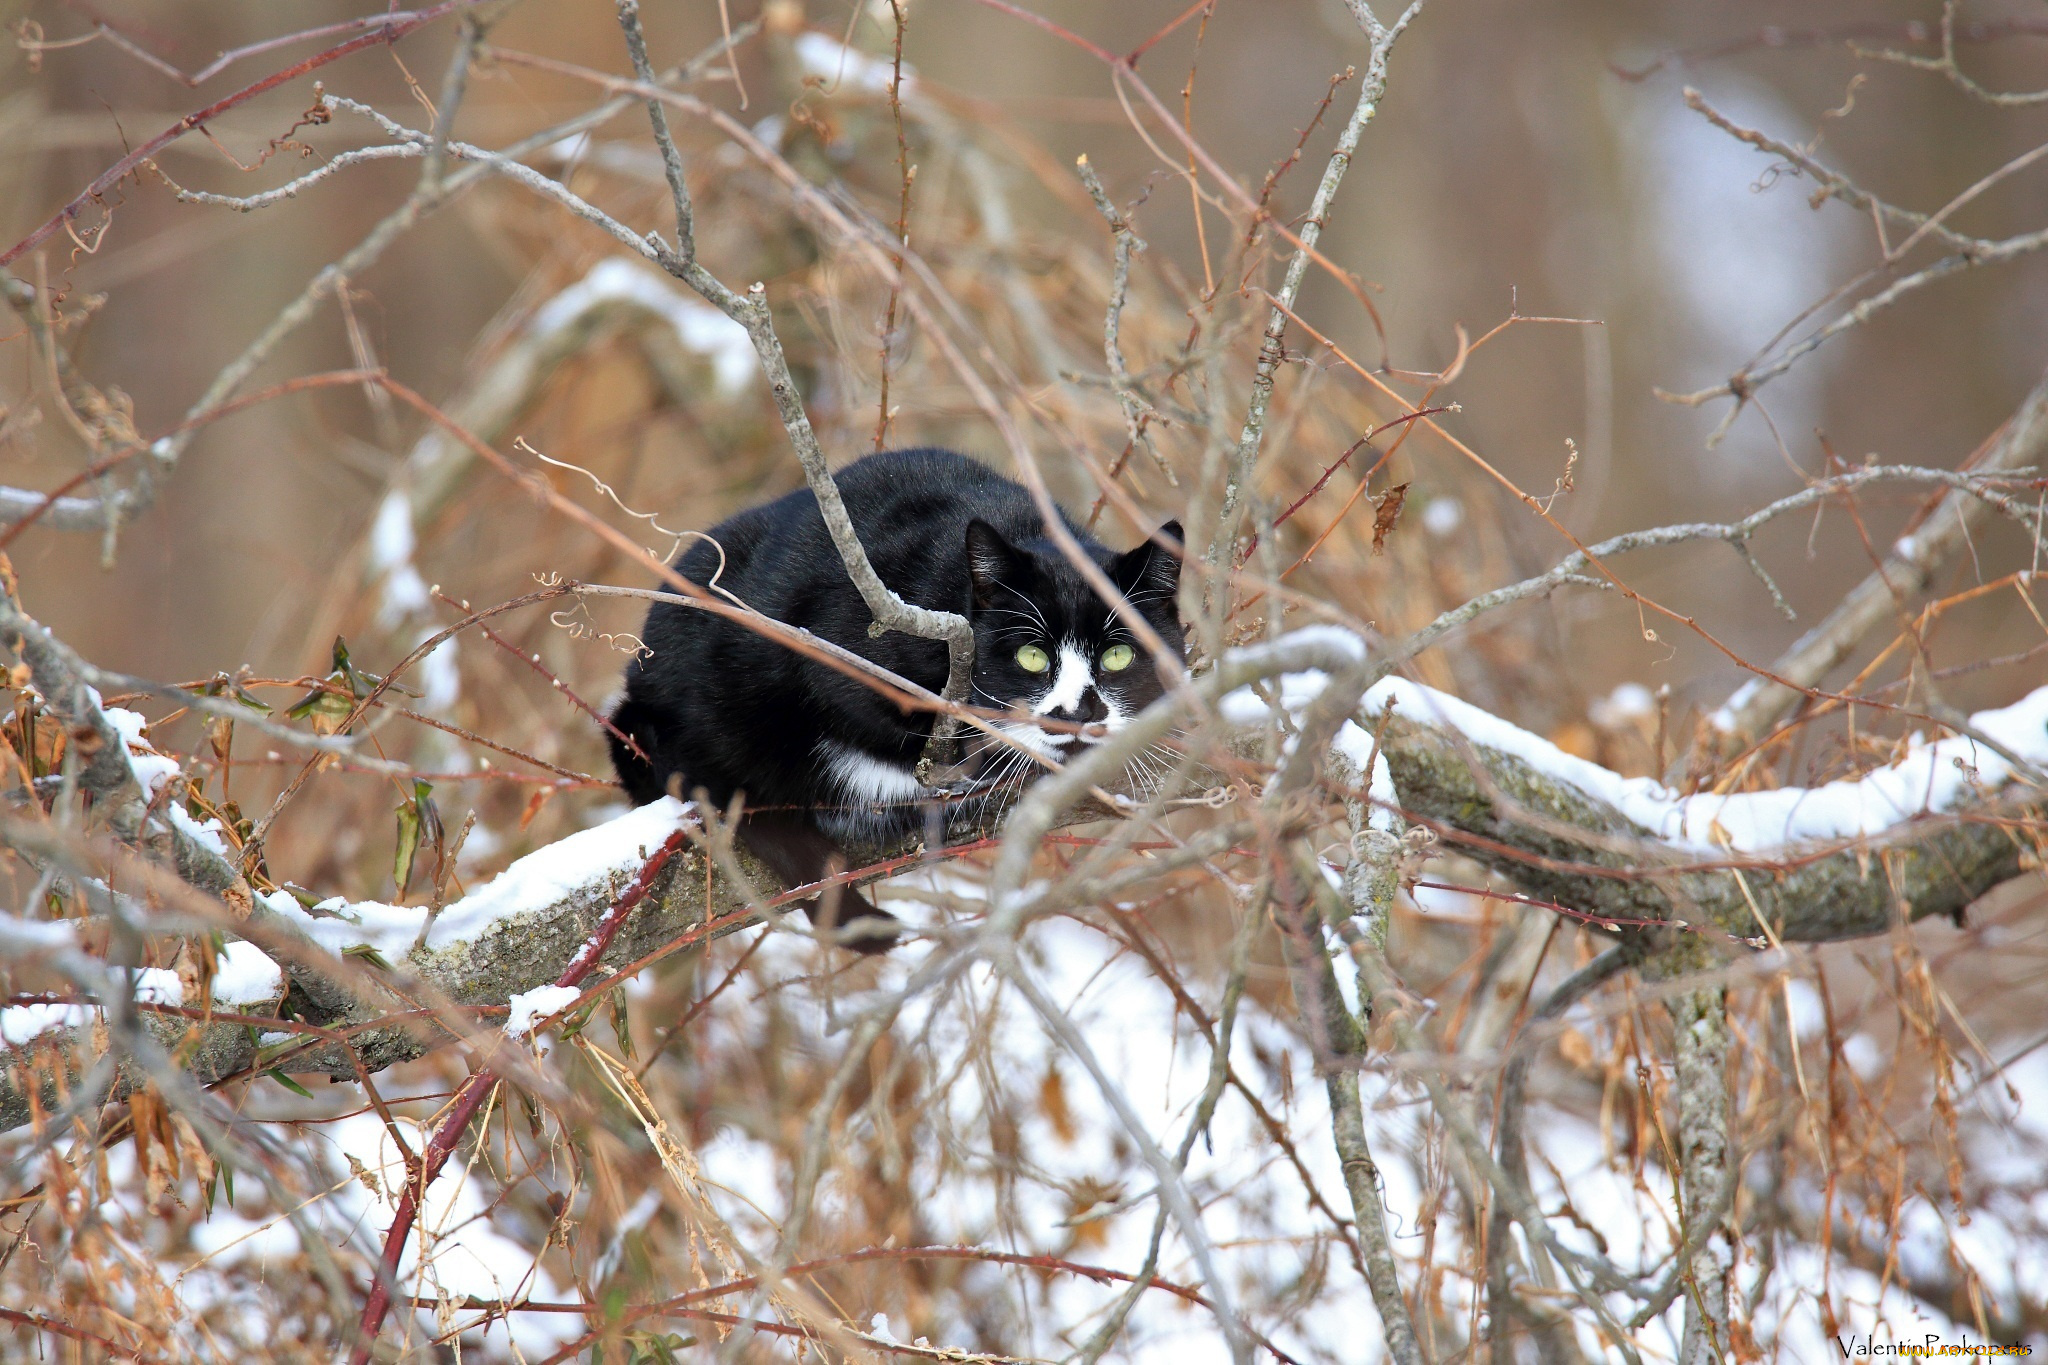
(470, 1099)
(1131, 59)
(1345, 458)
(1338, 464)
(65, 1329)
(127, 43)
(1059, 31)
(396, 26)
(1122, 68)
(533, 662)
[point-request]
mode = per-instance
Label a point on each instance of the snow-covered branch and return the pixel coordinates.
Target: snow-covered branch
(1924, 836)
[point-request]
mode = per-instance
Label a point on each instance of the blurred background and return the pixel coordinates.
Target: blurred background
(1531, 158)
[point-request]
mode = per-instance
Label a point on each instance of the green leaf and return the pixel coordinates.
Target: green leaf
(620, 1029)
(367, 954)
(331, 707)
(408, 846)
(578, 1019)
(222, 684)
(332, 702)
(419, 822)
(289, 1084)
(266, 1055)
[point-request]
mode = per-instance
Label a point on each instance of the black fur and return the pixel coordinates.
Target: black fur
(721, 708)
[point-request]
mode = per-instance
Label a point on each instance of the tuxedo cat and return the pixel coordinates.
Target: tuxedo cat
(818, 756)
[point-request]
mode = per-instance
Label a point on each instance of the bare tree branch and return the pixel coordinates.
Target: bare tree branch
(1908, 569)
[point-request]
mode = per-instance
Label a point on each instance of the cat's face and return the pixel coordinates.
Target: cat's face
(1047, 648)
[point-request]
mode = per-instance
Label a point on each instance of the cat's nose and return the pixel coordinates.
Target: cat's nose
(1089, 713)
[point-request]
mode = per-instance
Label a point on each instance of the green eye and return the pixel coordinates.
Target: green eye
(1117, 658)
(1032, 659)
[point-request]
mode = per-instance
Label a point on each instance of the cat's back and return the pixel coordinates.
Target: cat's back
(920, 486)
(911, 509)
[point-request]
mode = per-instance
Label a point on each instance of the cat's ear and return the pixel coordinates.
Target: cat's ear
(991, 561)
(1150, 570)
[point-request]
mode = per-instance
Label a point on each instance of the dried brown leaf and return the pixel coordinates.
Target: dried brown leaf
(1389, 511)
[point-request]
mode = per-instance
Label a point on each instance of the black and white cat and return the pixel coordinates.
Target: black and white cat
(818, 756)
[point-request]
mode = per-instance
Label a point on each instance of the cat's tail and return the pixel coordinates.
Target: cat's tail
(631, 731)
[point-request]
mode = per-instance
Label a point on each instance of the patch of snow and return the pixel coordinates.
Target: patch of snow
(391, 537)
(1443, 516)
(1434, 900)
(464, 1252)
(839, 65)
(206, 835)
(1723, 716)
(1356, 745)
(529, 1007)
(700, 328)
(153, 771)
(159, 986)
(243, 974)
(1332, 637)
(403, 592)
(1863, 1055)
(548, 874)
(21, 1024)
(39, 934)
(1930, 779)
(1340, 959)
(1631, 701)
(439, 676)
(541, 878)
(1802, 1002)
(151, 768)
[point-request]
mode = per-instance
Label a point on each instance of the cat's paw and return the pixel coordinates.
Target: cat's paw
(856, 926)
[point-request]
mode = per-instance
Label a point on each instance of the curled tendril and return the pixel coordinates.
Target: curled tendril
(622, 641)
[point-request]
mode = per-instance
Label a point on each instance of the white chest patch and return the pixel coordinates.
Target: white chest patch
(864, 778)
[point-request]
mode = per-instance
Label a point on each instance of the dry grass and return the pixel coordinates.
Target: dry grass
(643, 1190)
